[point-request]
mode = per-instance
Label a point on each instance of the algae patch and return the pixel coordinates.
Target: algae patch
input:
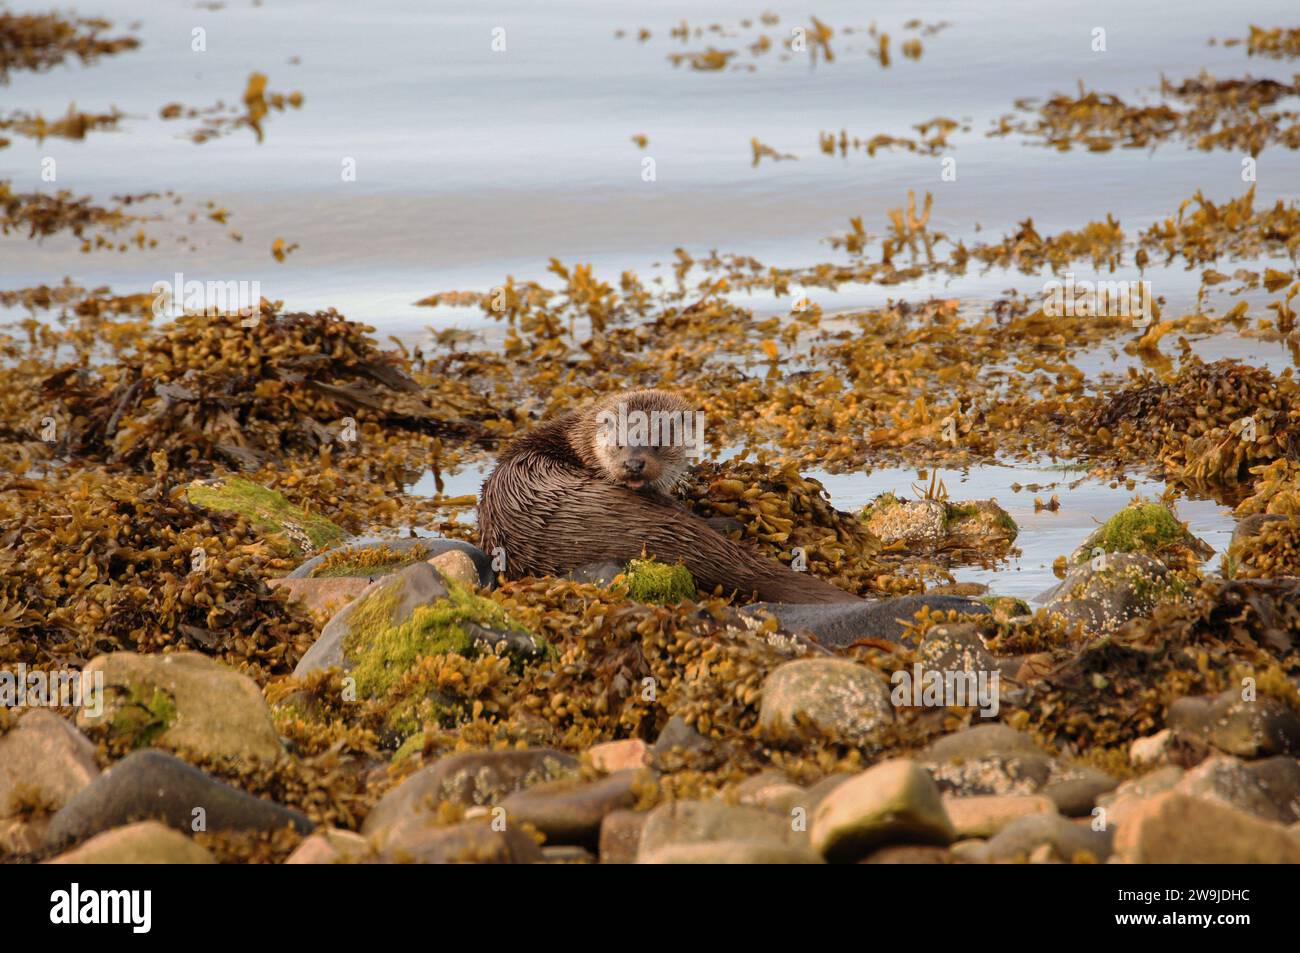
(269, 512)
(656, 583)
(1138, 528)
(380, 654)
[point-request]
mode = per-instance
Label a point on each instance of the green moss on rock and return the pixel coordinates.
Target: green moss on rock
(1138, 528)
(657, 583)
(380, 652)
(270, 513)
(144, 717)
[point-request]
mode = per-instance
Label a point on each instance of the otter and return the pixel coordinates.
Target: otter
(594, 485)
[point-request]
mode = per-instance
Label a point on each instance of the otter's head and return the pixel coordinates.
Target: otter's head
(639, 438)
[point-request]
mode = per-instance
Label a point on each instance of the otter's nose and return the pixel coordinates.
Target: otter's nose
(635, 465)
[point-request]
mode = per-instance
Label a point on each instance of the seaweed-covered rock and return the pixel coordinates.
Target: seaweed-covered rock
(283, 523)
(44, 761)
(146, 842)
(892, 802)
(413, 614)
(1108, 590)
(655, 583)
(385, 603)
(155, 785)
(841, 624)
(183, 701)
(837, 697)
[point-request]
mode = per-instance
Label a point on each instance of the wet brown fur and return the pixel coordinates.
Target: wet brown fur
(551, 509)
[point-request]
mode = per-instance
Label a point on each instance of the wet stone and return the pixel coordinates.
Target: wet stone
(155, 785)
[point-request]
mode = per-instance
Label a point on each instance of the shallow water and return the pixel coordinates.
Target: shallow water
(472, 164)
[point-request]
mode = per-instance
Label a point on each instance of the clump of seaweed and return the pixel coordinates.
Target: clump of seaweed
(91, 563)
(790, 517)
(1271, 551)
(1118, 687)
(41, 41)
(368, 561)
(74, 125)
(235, 392)
(220, 119)
(1210, 424)
(41, 214)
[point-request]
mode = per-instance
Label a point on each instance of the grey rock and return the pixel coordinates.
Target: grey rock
(1064, 840)
(988, 759)
(571, 811)
(840, 624)
(1075, 790)
(677, 734)
(154, 785)
(1248, 729)
(598, 573)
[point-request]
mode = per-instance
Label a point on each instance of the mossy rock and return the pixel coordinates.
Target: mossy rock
(656, 583)
(1141, 528)
(271, 514)
(459, 623)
